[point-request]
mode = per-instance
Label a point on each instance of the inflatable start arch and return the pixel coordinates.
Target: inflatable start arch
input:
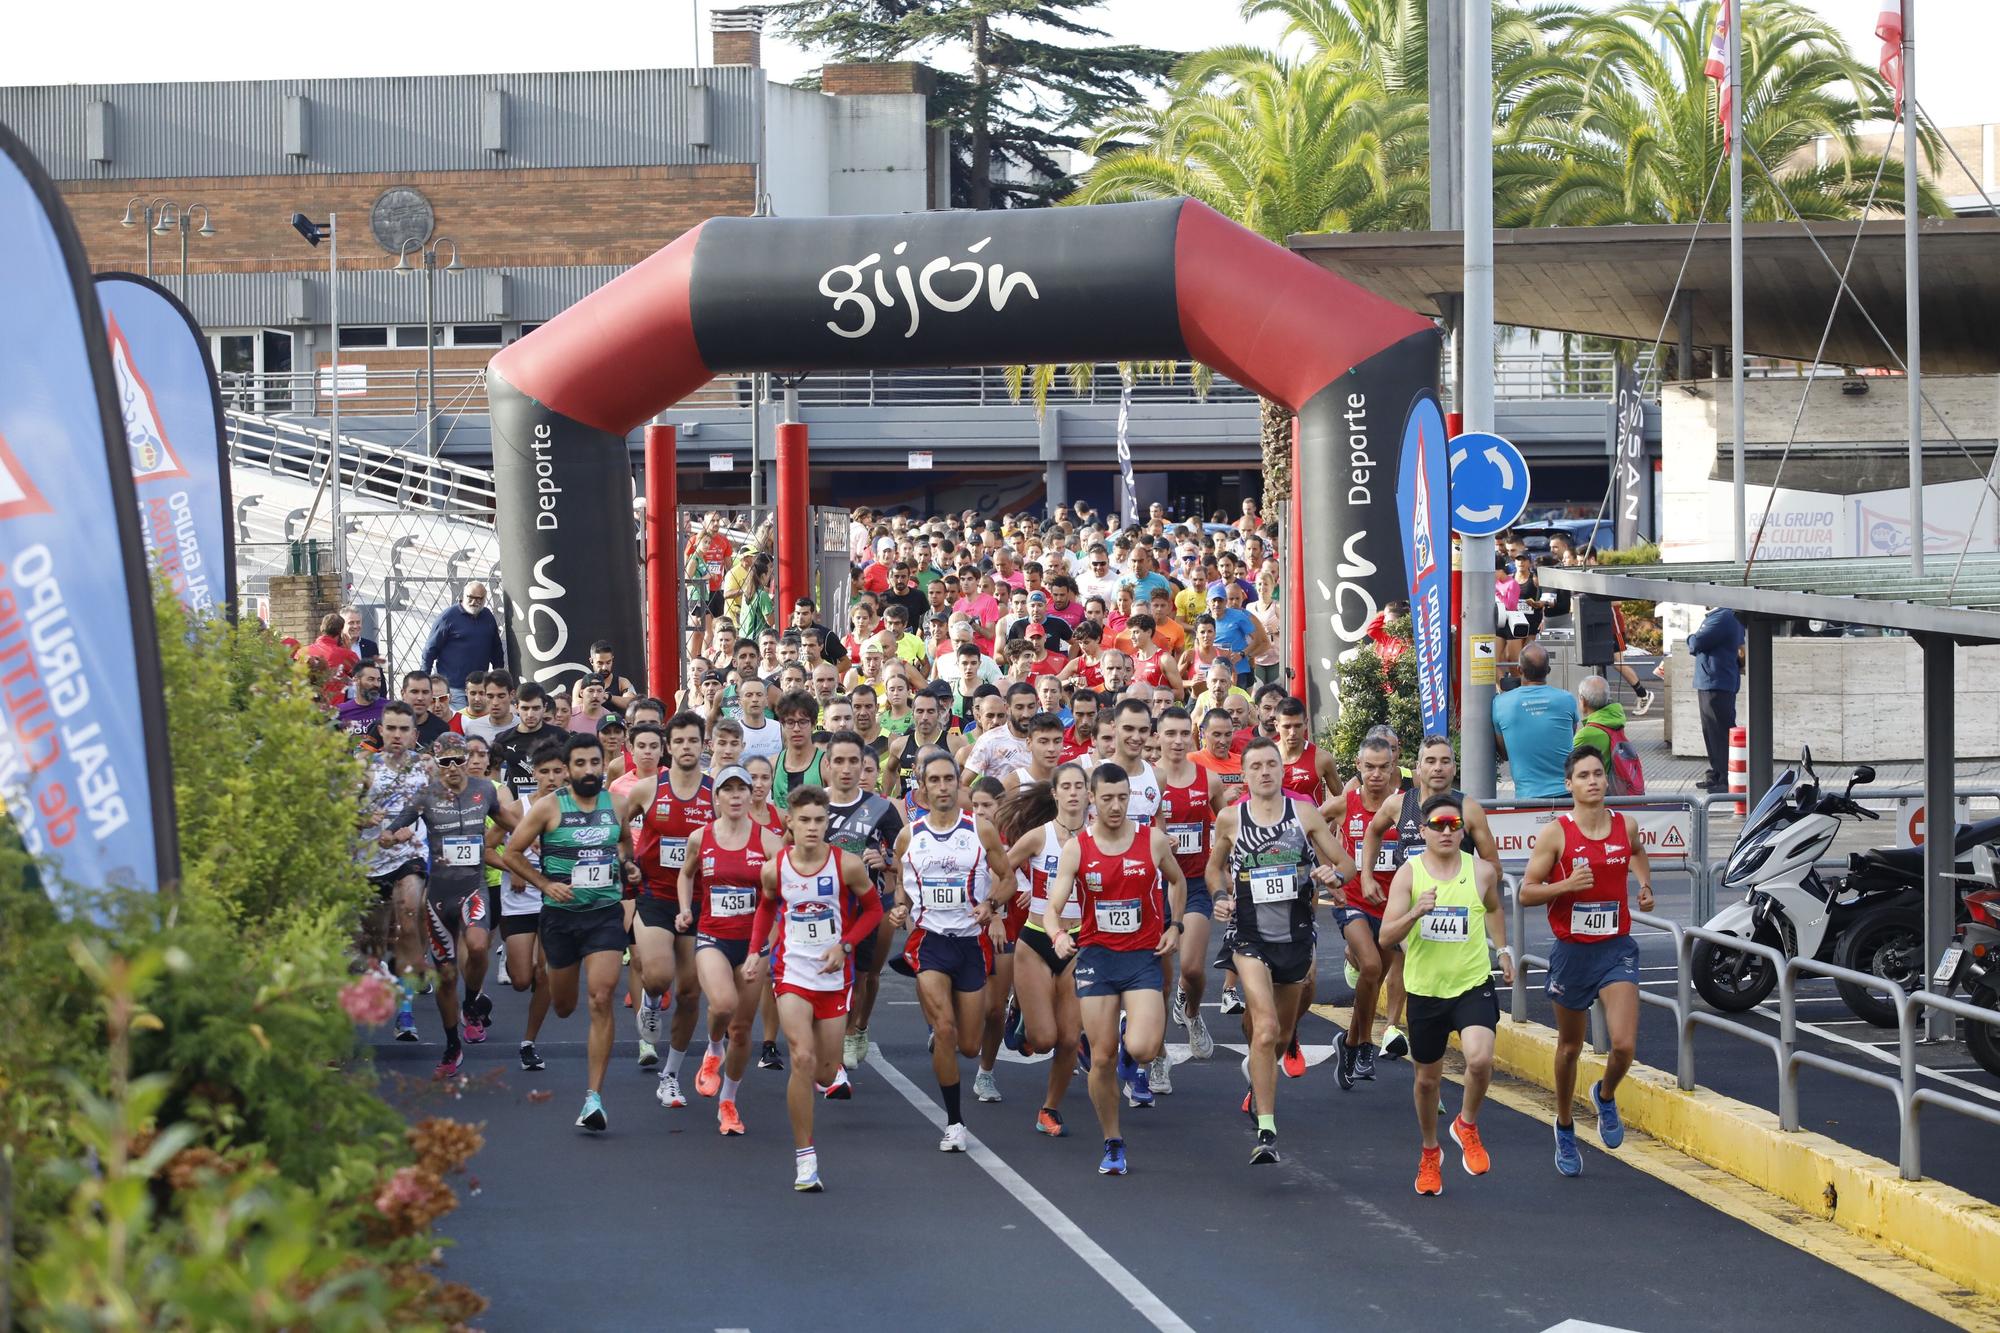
(1145, 281)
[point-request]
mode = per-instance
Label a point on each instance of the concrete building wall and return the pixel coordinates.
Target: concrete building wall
(798, 144)
(878, 159)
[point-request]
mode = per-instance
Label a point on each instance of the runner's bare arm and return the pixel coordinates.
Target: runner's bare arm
(1325, 846)
(1216, 872)
(1001, 885)
(1487, 876)
(1384, 820)
(901, 911)
(1535, 886)
(1170, 867)
(684, 882)
(1400, 912)
(540, 819)
(1060, 889)
(1025, 848)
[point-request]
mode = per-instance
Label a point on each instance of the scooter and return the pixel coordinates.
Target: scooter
(1972, 964)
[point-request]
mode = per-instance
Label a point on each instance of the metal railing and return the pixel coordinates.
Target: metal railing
(1910, 1096)
(364, 390)
(373, 471)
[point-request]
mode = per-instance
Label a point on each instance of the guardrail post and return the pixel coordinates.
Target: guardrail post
(1910, 1158)
(1517, 942)
(1684, 998)
(1701, 902)
(1788, 1072)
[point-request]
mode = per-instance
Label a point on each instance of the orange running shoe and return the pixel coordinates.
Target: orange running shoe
(708, 1081)
(1050, 1122)
(1477, 1163)
(1294, 1061)
(727, 1119)
(1430, 1171)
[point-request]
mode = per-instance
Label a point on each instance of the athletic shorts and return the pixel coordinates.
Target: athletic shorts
(1017, 917)
(521, 923)
(1039, 944)
(662, 913)
(440, 941)
(386, 884)
(825, 1003)
(569, 935)
(966, 959)
(1199, 899)
(1430, 1020)
(460, 911)
(1102, 971)
(736, 951)
(1344, 915)
(864, 952)
(1578, 971)
(1291, 963)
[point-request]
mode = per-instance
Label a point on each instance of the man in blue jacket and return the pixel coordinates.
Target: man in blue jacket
(1717, 678)
(464, 638)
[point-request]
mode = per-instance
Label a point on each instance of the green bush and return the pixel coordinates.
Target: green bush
(1370, 696)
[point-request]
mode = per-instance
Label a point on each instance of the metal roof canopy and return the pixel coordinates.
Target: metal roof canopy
(1939, 611)
(1615, 282)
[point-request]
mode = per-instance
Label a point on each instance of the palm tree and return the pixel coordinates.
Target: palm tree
(1618, 124)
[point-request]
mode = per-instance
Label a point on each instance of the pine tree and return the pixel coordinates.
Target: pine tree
(1024, 98)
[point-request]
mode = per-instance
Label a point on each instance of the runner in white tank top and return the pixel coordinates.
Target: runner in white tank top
(946, 875)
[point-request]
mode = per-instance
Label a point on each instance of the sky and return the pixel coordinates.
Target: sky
(126, 41)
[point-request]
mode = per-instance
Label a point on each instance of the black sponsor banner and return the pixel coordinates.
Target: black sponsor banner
(938, 289)
(1631, 470)
(1350, 445)
(565, 493)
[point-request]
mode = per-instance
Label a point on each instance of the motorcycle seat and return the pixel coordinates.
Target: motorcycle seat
(1910, 860)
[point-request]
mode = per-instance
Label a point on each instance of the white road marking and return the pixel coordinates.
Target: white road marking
(1121, 1280)
(1314, 1054)
(1887, 1057)
(1583, 1326)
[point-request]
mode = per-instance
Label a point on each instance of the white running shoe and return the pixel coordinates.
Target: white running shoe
(1201, 1044)
(849, 1055)
(953, 1140)
(669, 1093)
(1352, 977)
(649, 1055)
(1160, 1077)
(1179, 1014)
(1232, 1000)
(648, 1016)
(984, 1087)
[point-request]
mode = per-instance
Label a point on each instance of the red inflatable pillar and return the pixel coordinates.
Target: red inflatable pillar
(663, 631)
(794, 530)
(1295, 586)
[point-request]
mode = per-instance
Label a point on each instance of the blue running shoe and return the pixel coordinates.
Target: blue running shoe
(1012, 1029)
(1610, 1128)
(1114, 1158)
(406, 1023)
(1083, 1054)
(1568, 1160)
(1139, 1088)
(592, 1116)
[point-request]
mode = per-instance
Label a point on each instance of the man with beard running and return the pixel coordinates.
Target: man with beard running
(586, 851)
(399, 924)
(865, 828)
(1131, 723)
(1360, 917)
(1271, 853)
(1437, 769)
(455, 811)
(672, 807)
(1189, 799)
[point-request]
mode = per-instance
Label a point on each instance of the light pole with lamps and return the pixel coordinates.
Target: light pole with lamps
(175, 218)
(430, 253)
(145, 220)
(329, 232)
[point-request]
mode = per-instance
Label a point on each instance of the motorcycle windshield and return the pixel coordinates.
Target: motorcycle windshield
(1767, 809)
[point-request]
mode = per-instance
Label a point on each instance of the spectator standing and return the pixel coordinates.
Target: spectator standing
(1717, 677)
(464, 638)
(331, 651)
(1536, 727)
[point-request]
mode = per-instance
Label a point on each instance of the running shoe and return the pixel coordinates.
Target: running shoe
(953, 1140)
(481, 1006)
(1364, 1061)
(1475, 1161)
(850, 1048)
(1114, 1158)
(1160, 1077)
(1294, 1061)
(448, 1067)
(860, 1049)
(1232, 1000)
(649, 1055)
(808, 1181)
(1266, 1151)
(767, 1057)
(1643, 704)
(726, 1119)
(1050, 1122)
(1179, 1014)
(1083, 1054)
(1248, 1109)
(984, 1087)
(840, 1090)
(669, 1093)
(1350, 976)
(650, 1019)
(1568, 1160)
(475, 1031)
(1011, 1028)
(591, 1117)
(1430, 1171)
(1138, 1088)
(1201, 1043)
(406, 1024)
(708, 1079)
(1394, 1044)
(531, 1059)
(626, 999)
(1610, 1126)
(1345, 1058)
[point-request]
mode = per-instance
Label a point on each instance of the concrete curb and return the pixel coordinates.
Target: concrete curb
(1944, 1229)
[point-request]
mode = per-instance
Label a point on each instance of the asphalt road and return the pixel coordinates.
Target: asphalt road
(661, 1223)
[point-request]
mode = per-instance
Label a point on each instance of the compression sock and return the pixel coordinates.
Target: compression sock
(950, 1103)
(715, 1048)
(729, 1087)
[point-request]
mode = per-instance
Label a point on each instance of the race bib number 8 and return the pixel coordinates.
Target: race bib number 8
(673, 853)
(1446, 925)
(1593, 918)
(1118, 916)
(596, 868)
(731, 902)
(1186, 837)
(1385, 858)
(1273, 884)
(462, 851)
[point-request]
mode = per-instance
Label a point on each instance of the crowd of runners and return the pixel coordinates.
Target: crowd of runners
(1050, 772)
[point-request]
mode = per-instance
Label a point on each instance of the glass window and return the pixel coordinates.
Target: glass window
(364, 335)
(410, 335)
(236, 353)
(475, 335)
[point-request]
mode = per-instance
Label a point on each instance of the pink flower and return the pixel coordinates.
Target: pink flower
(405, 1189)
(369, 999)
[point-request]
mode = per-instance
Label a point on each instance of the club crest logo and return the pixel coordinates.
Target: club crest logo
(153, 458)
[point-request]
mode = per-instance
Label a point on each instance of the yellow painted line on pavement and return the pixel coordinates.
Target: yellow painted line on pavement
(1894, 1264)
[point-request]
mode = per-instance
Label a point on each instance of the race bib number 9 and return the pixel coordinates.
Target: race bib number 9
(595, 868)
(673, 853)
(1273, 884)
(731, 902)
(1594, 918)
(1186, 838)
(462, 851)
(1118, 916)
(811, 930)
(1446, 925)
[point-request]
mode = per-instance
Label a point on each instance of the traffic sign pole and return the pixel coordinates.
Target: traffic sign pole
(1478, 772)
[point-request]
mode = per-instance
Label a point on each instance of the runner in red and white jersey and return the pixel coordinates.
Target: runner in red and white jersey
(1360, 916)
(644, 750)
(1086, 665)
(1309, 772)
(763, 773)
(1039, 820)
(1151, 664)
(1190, 796)
(719, 883)
(822, 905)
(1115, 869)
(674, 804)
(1581, 868)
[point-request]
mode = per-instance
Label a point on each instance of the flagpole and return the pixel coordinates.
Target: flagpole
(1734, 132)
(1912, 341)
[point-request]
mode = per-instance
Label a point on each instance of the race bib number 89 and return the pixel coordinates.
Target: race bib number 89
(1273, 884)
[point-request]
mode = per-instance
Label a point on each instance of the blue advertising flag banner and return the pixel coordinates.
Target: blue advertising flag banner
(85, 772)
(1422, 500)
(171, 414)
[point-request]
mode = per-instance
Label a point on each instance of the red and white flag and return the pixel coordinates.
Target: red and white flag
(1889, 27)
(1718, 69)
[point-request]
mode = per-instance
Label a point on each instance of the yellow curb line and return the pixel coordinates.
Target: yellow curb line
(1933, 1246)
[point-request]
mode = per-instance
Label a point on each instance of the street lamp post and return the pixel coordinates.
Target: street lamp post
(144, 221)
(330, 233)
(161, 217)
(430, 253)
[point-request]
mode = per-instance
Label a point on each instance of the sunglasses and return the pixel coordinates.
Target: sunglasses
(451, 760)
(1444, 823)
